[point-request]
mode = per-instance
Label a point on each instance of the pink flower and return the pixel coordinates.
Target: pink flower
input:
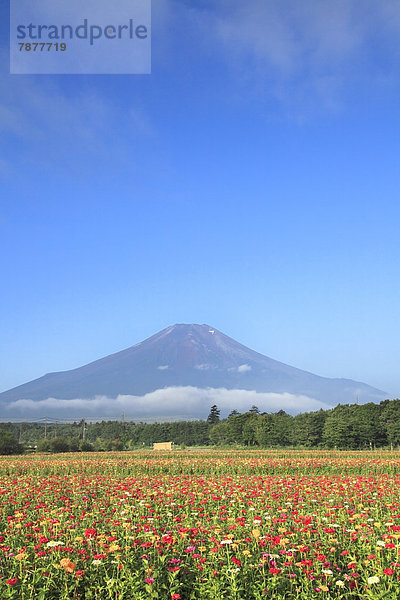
(150, 580)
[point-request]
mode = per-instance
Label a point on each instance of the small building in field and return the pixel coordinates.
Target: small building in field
(163, 446)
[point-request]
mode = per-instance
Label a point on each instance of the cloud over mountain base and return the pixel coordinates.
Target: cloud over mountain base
(180, 402)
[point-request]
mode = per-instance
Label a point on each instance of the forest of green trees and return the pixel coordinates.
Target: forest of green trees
(350, 426)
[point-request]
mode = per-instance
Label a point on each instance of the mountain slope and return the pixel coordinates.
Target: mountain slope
(199, 356)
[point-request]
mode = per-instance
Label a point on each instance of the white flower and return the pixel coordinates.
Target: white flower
(226, 542)
(96, 561)
(327, 572)
(380, 543)
(340, 583)
(373, 579)
(53, 543)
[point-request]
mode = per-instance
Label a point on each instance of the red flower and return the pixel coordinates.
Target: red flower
(12, 581)
(90, 533)
(388, 571)
(236, 561)
(167, 539)
(176, 597)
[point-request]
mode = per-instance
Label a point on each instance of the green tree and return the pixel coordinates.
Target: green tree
(43, 446)
(339, 428)
(219, 434)
(249, 429)
(273, 429)
(390, 421)
(233, 413)
(213, 417)
(85, 446)
(368, 428)
(59, 445)
(306, 429)
(8, 444)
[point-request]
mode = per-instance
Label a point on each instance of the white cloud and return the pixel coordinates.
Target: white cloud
(162, 367)
(186, 401)
(244, 368)
(303, 54)
(69, 126)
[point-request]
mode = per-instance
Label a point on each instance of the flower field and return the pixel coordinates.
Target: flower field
(200, 525)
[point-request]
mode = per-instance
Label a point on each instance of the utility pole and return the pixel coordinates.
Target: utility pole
(83, 429)
(45, 429)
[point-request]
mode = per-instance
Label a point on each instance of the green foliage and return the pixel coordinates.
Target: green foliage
(43, 446)
(213, 417)
(364, 426)
(59, 445)
(85, 446)
(8, 444)
(390, 421)
(306, 429)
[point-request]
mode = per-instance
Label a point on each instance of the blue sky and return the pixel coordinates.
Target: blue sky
(251, 182)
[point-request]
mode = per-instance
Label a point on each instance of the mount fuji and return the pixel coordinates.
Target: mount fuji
(178, 373)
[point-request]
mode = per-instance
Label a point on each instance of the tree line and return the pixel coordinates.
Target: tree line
(346, 427)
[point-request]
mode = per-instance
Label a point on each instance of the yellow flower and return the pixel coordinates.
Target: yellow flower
(255, 533)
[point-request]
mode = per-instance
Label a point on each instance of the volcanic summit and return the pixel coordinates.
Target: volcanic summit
(176, 371)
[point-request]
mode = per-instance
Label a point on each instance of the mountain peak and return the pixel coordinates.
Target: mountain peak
(191, 357)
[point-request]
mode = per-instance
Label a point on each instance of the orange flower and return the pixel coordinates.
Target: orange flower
(255, 533)
(68, 565)
(20, 556)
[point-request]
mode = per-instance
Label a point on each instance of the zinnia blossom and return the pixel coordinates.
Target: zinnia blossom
(90, 533)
